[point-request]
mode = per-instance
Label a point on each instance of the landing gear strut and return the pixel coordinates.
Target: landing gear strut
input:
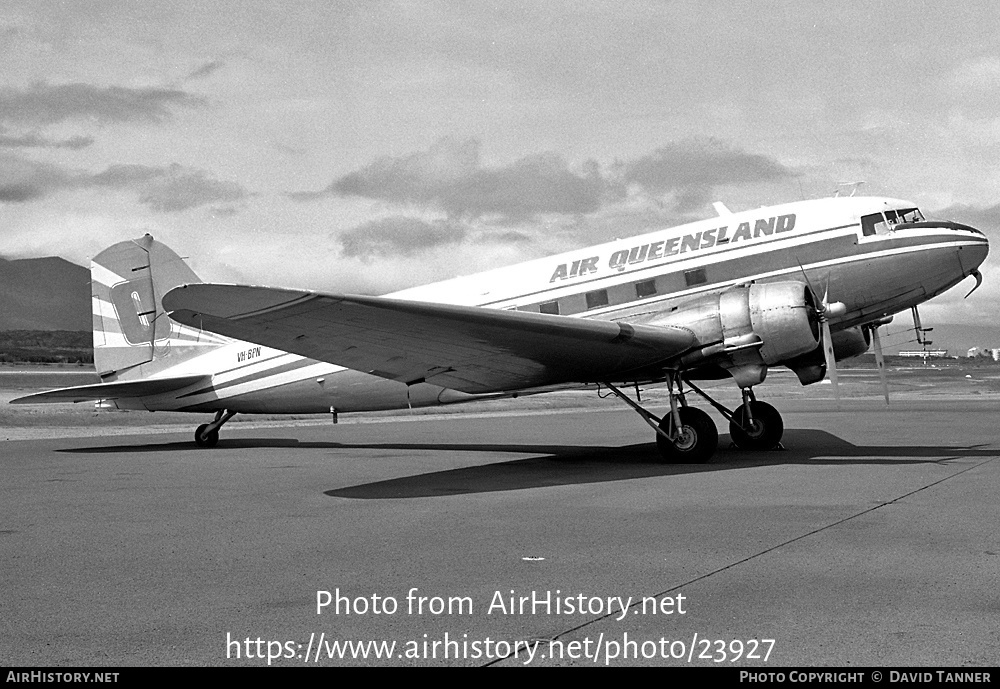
(694, 441)
(757, 426)
(754, 425)
(207, 434)
(685, 435)
(688, 435)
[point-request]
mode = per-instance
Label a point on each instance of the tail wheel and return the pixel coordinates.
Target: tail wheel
(696, 441)
(762, 433)
(203, 439)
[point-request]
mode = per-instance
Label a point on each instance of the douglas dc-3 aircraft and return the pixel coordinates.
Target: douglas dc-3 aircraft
(797, 285)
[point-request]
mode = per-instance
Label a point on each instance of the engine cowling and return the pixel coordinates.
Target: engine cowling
(811, 367)
(747, 328)
(850, 342)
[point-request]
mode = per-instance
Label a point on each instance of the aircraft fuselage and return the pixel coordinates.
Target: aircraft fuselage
(876, 256)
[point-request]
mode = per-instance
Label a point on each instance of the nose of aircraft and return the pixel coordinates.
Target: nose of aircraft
(974, 252)
(973, 246)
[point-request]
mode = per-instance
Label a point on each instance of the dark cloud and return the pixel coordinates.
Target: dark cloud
(206, 69)
(45, 104)
(449, 176)
(124, 176)
(399, 236)
(164, 189)
(36, 141)
(691, 169)
(23, 180)
(505, 237)
(20, 192)
(417, 178)
(180, 189)
(536, 184)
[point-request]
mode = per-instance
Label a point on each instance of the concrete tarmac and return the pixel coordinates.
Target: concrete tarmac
(472, 540)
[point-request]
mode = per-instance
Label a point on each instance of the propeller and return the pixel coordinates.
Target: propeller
(825, 310)
(879, 359)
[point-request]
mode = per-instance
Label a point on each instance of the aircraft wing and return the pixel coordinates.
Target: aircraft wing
(112, 391)
(465, 348)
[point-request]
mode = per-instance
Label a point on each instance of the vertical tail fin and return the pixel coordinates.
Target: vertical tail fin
(133, 337)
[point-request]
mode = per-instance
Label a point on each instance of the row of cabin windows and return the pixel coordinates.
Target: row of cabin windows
(599, 297)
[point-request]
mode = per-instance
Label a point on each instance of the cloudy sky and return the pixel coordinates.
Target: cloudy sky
(369, 146)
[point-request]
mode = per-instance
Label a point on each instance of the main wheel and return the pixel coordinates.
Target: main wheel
(763, 433)
(696, 442)
(203, 439)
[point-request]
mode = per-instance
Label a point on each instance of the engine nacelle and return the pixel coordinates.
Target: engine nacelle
(745, 329)
(811, 367)
(850, 342)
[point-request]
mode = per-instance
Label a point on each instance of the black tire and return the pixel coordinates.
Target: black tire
(763, 433)
(203, 439)
(698, 441)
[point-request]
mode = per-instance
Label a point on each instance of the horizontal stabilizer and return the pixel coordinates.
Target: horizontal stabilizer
(466, 348)
(113, 391)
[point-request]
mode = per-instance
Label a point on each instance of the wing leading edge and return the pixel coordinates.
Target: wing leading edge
(465, 348)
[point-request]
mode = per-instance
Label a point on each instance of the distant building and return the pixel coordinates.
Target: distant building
(993, 353)
(927, 353)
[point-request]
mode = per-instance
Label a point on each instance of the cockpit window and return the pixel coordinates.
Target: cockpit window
(902, 216)
(880, 223)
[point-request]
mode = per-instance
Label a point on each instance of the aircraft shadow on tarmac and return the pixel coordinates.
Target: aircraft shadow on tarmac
(556, 465)
(573, 465)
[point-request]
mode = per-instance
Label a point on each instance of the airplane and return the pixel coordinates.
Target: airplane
(799, 285)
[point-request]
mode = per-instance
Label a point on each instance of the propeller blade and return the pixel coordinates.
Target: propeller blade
(880, 362)
(831, 362)
(805, 276)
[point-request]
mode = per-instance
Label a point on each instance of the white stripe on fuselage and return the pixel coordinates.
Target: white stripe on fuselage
(534, 281)
(716, 255)
(229, 371)
(793, 272)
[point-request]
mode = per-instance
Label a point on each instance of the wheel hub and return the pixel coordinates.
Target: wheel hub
(686, 439)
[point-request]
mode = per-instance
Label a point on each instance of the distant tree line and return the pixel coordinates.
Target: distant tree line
(46, 346)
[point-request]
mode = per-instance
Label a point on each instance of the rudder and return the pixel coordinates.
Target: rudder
(133, 336)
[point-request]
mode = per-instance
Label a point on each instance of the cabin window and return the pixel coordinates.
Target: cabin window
(695, 277)
(549, 307)
(646, 288)
(597, 298)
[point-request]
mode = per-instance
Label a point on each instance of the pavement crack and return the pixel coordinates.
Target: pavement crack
(749, 558)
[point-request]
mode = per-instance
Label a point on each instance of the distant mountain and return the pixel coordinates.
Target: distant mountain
(44, 294)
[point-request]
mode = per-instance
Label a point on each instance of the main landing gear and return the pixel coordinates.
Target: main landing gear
(207, 434)
(686, 435)
(755, 425)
